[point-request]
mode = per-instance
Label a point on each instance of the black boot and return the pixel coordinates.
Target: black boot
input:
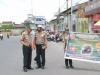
(25, 69)
(71, 66)
(30, 68)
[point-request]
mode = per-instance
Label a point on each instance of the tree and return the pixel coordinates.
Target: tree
(7, 27)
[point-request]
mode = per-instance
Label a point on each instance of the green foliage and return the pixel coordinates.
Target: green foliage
(7, 27)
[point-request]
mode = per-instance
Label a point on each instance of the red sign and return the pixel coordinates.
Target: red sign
(96, 17)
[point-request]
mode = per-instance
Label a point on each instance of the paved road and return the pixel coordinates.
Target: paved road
(11, 61)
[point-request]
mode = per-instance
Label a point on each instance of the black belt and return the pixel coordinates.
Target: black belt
(39, 44)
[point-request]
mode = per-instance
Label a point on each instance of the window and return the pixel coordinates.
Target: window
(38, 19)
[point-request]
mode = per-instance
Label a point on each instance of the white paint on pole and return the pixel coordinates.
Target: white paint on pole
(71, 17)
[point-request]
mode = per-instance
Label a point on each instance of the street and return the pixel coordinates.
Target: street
(11, 61)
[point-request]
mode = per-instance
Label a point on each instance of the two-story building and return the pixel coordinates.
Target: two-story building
(79, 22)
(53, 25)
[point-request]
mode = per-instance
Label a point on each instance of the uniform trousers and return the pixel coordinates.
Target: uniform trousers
(40, 55)
(27, 56)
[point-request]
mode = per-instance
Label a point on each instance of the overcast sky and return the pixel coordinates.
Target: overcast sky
(17, 10)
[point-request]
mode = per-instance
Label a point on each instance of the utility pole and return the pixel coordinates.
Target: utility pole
(71, 20)
(58, 17)
(67, 26)
(71, 24)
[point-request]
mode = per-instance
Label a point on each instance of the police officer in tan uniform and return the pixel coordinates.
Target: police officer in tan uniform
(40, 41)
(26, 41)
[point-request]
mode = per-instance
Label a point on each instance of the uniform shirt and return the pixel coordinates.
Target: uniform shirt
(26, 38)
(40, 37)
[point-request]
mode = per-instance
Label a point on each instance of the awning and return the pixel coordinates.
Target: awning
(96, 26)
(97, 23)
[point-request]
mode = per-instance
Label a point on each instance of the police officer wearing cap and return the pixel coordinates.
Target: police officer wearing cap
(40, 42)
(26, 41)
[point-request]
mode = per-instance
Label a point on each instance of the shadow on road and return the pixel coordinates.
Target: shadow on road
(87, 69)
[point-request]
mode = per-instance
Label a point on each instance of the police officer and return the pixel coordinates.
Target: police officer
(40, 41)
(26, 41)
(68, 62)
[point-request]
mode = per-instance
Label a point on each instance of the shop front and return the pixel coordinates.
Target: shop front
(96, 23)
(93, 13)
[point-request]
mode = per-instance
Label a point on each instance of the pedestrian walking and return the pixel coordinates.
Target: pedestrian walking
(26, 41)
(1, 36)
(68, 62)
(40, 43)
(7, 35)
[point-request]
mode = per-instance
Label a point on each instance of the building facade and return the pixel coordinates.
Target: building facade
(93, 13)
(82, 20)
(53, 26)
